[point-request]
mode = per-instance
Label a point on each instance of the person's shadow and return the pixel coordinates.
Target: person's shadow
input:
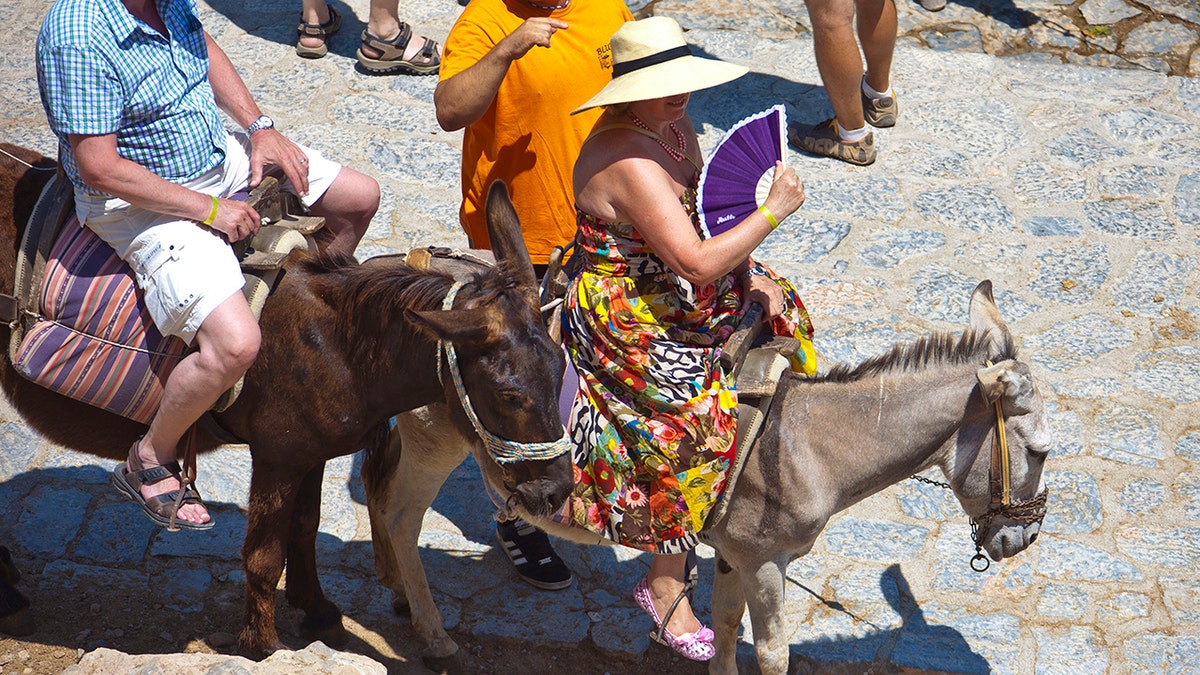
(1004, 11)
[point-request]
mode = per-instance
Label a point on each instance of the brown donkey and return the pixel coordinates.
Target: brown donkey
(345, 347)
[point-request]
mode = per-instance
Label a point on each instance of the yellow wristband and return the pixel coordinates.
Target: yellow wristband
(212, 215)
(769, 216)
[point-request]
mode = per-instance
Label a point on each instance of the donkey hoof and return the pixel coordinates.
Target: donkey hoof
(457, 663)
(18, 624)
(256, 648)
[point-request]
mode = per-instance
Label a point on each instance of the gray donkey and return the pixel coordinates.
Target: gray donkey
(962, 403)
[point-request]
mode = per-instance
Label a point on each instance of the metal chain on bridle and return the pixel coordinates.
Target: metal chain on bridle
(1024, 511)
(502, 450)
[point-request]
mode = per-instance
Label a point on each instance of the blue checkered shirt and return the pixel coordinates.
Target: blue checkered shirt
(102, 71)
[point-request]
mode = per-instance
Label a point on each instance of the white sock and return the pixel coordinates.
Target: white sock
(871, 93)
(852, 135)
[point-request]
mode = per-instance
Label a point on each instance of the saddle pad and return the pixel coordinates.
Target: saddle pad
(94, 341)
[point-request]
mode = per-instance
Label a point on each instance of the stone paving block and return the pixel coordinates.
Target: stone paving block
(1083, 148)
(1130, 430)
(874, 199)
(1062, 600)
(1182, 598)
(1158, 280)
(1068, 561)
(1039, 183)
(49, 519)
(873, 540)
(1066, 429)
(1123, 607)
(1141, 496)
(1079, 341)
(183, 588)
(1074, 505)
(64, 575)
(929, 159)
(20, 445)
(804, 240)
(1168, 373)
(1132, 182)
(979, 127)
(972, 207)
(1076, 650)
(1159, 653)
(1188, 446)
(1099, 387)
(1187, 199)
(955, 550)
(101, 544)
(1160, 37)
(890, 246)
(1174, 547)
(1099, 12)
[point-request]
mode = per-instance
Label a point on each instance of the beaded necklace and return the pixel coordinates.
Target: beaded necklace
(674, 153)
(551, 8)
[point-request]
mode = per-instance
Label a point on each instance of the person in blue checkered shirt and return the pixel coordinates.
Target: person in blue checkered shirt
(133, 90)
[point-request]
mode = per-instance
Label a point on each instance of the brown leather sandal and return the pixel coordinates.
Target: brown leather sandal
(129, 478)
(319, 30)
(391, 54)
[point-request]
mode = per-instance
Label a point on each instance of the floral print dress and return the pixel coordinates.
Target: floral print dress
(654, 420)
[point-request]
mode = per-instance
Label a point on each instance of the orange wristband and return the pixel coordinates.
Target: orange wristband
(212, 215)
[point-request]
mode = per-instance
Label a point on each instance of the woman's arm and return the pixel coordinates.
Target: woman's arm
(642, 192)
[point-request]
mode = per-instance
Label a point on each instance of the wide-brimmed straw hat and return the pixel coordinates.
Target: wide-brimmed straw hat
(652, 60)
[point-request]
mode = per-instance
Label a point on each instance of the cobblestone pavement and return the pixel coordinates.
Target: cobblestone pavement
(1075, 188)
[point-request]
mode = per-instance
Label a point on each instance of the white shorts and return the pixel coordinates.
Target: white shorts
(186, 270)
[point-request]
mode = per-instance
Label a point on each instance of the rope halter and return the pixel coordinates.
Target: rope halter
(502, 450)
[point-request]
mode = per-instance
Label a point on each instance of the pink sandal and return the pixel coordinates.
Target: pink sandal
(692, 645)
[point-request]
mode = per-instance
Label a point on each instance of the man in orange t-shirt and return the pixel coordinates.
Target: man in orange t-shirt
(511, 87)
(514, 101)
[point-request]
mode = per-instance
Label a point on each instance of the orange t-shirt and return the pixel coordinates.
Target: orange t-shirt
(527, 137)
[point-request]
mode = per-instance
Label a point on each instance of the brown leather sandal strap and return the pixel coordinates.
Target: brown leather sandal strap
(388, 48)
(671, 610)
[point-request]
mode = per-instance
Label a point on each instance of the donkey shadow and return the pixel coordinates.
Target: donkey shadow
(915, 644)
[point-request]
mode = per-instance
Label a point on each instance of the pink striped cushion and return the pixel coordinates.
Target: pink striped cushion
(96, 343)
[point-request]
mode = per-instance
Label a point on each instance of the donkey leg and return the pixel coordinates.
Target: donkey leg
(764, 595)
(426, 450)
(728, 606)
(272, 497)
(322, 618)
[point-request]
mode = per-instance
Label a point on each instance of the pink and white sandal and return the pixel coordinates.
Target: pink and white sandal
(691, 645)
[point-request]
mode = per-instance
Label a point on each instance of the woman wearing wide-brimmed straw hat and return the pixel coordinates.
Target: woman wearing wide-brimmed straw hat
(654, 421)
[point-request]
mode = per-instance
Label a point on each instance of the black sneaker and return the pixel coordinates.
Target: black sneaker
(530, 552)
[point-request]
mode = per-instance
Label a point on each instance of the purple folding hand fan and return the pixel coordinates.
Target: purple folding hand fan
(737, 177)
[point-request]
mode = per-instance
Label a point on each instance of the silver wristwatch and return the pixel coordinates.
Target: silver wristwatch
(263, 122)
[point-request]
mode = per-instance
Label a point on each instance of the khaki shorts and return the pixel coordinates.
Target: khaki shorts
(185, 269)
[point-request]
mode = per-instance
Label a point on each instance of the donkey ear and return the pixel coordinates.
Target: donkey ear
(504, 230)
(985, 317)
(459, 326)
(1009, 381)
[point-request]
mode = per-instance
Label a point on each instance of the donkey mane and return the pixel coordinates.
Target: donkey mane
(355, 290)
(935, 349)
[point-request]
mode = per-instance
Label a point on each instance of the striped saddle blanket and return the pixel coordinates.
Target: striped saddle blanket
(84, 331)
(95, 341)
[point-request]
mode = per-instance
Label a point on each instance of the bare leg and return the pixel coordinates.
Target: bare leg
(384, 23)
(348, 206)
(666, 583)
(877, 33)
(314, 12)
(838, 58)
(229, 340)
